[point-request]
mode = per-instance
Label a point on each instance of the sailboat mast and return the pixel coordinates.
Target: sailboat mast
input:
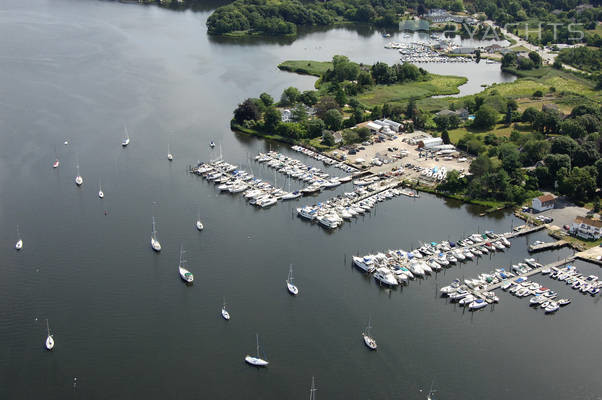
(312, 391)
(47, 327)
(257, 338)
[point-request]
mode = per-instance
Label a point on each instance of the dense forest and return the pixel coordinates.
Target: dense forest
(278, 17)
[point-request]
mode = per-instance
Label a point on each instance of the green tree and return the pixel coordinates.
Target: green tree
(324, 104)
(364, 133)
(572, 128)
(533, 151)
(247, 111)
(480, 166)
(309, 98)
(328, 138)
(586, 154)
(556, 162)
(564, 145)
(266, 99)
(579, 184)
(271, 118)
(315, 127)
(485, 118)
(289, 96)
(529, 114)
(535, 58)
(333, 119)
(445, 137)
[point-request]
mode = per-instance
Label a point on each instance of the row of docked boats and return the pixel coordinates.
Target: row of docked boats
(229, 178)
(542, 296)
(399, 266)
(331, 213)
(326, 160)
(570, 275)
(298, 170)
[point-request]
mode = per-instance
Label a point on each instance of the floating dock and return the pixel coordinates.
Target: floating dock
(547, 246)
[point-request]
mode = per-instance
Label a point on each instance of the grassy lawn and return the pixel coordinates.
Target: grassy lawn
(499, 130)
(306, 67)
(438, 85)
(519, 48)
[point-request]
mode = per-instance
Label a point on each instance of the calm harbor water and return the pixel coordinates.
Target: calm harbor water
(124, 323)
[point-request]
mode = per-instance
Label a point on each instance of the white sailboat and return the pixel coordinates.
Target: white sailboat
(199, 224)
(101, 194)
(49, 339)
(313, 390)
(212, 145)
(369, 340)
(169, 155)
(256, 361)
(431, 392)
(19, 244)
(225, 312)
(184, 273)
(78, 179)
(56, 162)
(289, 283)
(126, 139)
(154, 241)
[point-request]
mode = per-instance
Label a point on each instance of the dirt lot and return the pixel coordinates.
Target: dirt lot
(412, 157)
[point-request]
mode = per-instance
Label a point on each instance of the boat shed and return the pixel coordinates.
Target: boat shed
(429, 143)
(543, 203)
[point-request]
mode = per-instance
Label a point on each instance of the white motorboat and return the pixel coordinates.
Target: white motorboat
(56, 163)
(564, 302)
(448, 289)
(466, 300)
(184, 273)
(49, 339)
(385, 276)
(154, 241)
(225, 313)
(289, 282)
(330, 221)
(169, 154)
(416, 268)
(365, 263)
(292, 195)
(267, 201)
(307, 213)
(256, 361)
(368, 339)
(126, 139)
(477, 304)
(552, 307)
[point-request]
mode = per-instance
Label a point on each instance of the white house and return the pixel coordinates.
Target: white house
(286, 115)
(543, 203)
(587, 228)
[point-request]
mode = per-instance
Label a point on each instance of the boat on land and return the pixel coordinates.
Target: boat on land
(289, 283)
(256, 361)
(368, 339)
(184, 273)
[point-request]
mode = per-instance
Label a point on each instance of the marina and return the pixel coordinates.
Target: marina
(88, 268)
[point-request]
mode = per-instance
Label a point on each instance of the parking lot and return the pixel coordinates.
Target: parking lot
(564, 212)
(396, 153)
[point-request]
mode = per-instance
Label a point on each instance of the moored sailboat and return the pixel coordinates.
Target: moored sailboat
(184, 273)
(256, 361)
(289, 283)
(155, 244)
(368, 339)
(49, 339)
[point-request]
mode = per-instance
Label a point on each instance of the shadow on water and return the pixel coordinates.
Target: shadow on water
(362, 30)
